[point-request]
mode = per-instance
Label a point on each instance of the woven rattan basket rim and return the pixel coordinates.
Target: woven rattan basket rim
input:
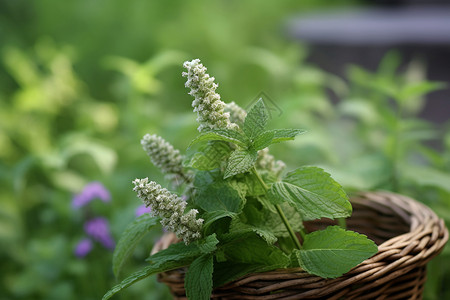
(398, 257)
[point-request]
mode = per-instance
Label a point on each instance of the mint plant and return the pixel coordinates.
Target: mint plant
(238, 214)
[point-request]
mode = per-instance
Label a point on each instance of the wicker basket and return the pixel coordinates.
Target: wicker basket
(408, 233)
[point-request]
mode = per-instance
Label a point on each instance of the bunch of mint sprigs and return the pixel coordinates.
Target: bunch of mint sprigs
(238, 214)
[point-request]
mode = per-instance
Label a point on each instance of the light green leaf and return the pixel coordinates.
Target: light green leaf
(104, 157)
(219, 196)
(226, 135)
(130, 238)
(360, 109)
(313, 193)
(426, 176)
(281, 135)
(265, 234)
(253, 186)
(334, 251)
(198, 281)
(263, 140)
(240, 161)
(415, 90)
(256, 120)
(211, 156)
(208, 244)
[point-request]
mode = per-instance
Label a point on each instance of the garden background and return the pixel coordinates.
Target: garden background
(82, 81)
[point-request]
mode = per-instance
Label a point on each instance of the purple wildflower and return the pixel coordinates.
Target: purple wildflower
(83, 248)
(142, 210)
(98, 229)
(90, 192)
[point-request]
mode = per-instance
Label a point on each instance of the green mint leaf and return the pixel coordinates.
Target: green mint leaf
(266, 234)
(269, 137)
(175, 252)
(217, 221)
(144, 273)
(263, 140)
(281, 135)
(130, 238)
(176, 256)
(240, 161)
(204, 178)
(251, 185)
(313, 193)
(252, 249)
(267, 203)
(198, 282)
(184, 253)
(210, 157)
(277, 195)
(256, 120)
(219, 196)
(269, 220)
(246, 254)
(226, 135)
(208, 244)
(334, 251)
(273, 222)
(239, 186)
(238, 227)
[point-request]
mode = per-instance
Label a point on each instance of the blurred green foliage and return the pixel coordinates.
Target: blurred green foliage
(82, 81)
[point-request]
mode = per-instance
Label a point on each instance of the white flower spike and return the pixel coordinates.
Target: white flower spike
(207, 103)
(170, 208)
(162, 154)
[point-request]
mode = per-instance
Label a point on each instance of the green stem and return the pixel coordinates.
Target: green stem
(261, 181)
(302, 233)
(396, 146)
(395, 157)
(288, 226)
(342, 223)
(280, 213)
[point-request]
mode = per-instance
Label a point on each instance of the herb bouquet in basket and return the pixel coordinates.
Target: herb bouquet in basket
(240, 216)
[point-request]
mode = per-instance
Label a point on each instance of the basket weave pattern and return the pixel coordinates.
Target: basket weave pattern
(408, 235)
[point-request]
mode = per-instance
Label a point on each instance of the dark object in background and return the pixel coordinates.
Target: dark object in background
(406, 2)
(363, 37)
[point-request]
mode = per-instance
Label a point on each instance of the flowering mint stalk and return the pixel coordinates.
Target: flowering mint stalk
(170, 208)
(207, 103)
(163, 154)
(237, 113)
